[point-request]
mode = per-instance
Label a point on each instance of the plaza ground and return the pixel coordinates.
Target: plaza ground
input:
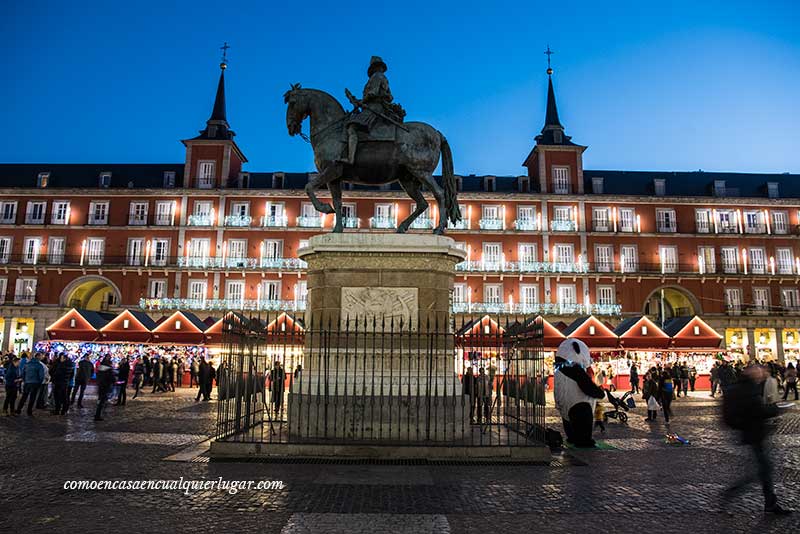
(637, 484)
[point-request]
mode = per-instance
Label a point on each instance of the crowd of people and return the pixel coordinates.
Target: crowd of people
(54, 381)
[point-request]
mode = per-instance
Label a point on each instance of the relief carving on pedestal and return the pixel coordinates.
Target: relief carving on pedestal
(399, 305)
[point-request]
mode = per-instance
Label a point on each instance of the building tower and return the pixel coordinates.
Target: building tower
(213, 159)
(555, 163)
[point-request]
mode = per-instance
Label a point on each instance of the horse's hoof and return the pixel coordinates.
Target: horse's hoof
(439, 231)
(401, 230)
(327, 209)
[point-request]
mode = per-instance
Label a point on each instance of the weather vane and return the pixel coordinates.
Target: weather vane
(549, 53)
(224, 49)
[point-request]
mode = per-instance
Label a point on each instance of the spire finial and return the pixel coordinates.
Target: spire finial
(224, 63)
(549, 53)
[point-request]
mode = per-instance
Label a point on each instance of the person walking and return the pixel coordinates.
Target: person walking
(468, 390)
(44, 390)
(139, 371)
(727, 376)
(790, 381)
(194, 370)
(82, 377)
(743, 410)
(651, 395)
(770, 394)
(123, 372)
(684, 374)
(277, 381)
(666, 389)
(158, 369)
(692, 377)
(205, 379)
(634, 378)
(33, 379)
(181, 369)
(483, 391)
(105, 381)
(173, 373)
(12, 381)
(62, 373)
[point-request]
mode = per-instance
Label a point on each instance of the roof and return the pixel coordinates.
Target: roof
(195, 320)
(96, 319)
(676, 324)
(143, 318)
(87, 175)
(626, 325)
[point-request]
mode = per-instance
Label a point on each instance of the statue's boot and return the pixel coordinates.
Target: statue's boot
(352, 145)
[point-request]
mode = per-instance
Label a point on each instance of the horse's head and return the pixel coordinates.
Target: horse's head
(297, 108)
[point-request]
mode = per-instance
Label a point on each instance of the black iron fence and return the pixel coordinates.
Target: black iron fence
(436, 383)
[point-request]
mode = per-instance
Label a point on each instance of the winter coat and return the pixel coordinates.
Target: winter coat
(468, 384)
(85, 371)
(771, 390)
(34, 372)
(62, 373)
(124, 371)
(105, 378)
(790, 376)
(12, 373)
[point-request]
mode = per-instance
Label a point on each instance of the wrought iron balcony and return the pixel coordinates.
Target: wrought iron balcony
(351, 222)
(526, 225)
(274, 221)
(490, 224)
(727, 229)
(382, 222)
(755, 229)
(137, 220)
(422, 223)
(24, 300)
(563, 226)
(238, 220)
(703, 227)
(313, 221)
(463, 224)
(203, 219)
(241, 263)
(537, 308)
(522, 267)
(222, 304)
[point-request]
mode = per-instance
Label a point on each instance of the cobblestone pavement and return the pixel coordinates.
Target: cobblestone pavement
(638, 484)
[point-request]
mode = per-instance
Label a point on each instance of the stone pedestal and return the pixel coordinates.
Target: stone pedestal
(379, 358)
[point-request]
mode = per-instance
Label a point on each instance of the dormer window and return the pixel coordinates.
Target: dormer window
(523, 184)
(42, 180)
(278, 180)
(719, 188)
(243, 180)
(597, 185)
(169, 179)
(558, 137)
(660, 186)
(489, 184)
(105, 179)
(772, 190)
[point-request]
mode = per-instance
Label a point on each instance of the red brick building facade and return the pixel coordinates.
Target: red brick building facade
(208, 235)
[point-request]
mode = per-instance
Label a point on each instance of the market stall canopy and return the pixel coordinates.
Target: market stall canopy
(180, 327)
(551, 336)
(214, 332)
(692, 332)
(641, 333)
(285, 323)
(78, 325)
(592, 331)
(129, 326)
(484, 331)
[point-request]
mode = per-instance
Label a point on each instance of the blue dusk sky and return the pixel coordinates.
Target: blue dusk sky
(646, 85)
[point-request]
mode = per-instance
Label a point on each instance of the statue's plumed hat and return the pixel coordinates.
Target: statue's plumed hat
(376, 63)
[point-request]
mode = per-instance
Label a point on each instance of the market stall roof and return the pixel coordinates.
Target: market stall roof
(485, 326)
(78, 325)
(552, 336)
(180, 327)
(128, 326)
(214, 332)
(285, 323)
(592, 331)
(692, 332)
(640, 333)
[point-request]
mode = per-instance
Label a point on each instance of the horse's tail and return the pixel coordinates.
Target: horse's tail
(449, 181)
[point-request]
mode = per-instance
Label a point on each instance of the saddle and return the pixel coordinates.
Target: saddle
(381, 131)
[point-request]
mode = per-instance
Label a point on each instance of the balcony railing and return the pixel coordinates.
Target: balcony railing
(563, 226)
(422, 223)
(703, 227)
(761, 310)
(34, 220)
(755, 229)
(163, 220)
(666, 228)
(24, 300)
(200, 220)
(309, 221)
(537, 308)
(727, 229)
(241, 263)
(351, 222)
(137, 220)
(491, 224)
(463, 224)
(526, 225)
(522, 267)
(274, 221)
(381, 222)
(222, 304)
(238, 221)
(97, 222)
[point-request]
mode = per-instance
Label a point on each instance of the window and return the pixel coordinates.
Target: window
(566, 295)
(135, 251)
(98, 212)
(234, 293)
(275, 214)
(601, 219)
(659, 186)
(169, 179)
(202, 208)
(34, 214)
(240, 209)
(604, 258)
(702, 219)
(42, 180)
(303, 243)
(56, 247)
(199, 251)
(564, 255)
(526, 218)
(8, 212)
(597, 185)
(627, 217)
(605, 296)
(272, 253)
(733, 299)
(706, 260)
(790, 299)
(528, 295)
(3, 289)
(25, 291)
(730, 260)
(157, 289)
(629, 258)
(205, 174)
(669, 258)
(460, 293)
(160, 252)
(761, 298)
(780, 222)
(60, 213)
(491, 212)
(489, 184)
(5, 249)
(493, 293)
(492, 256)
(384, 216)
(95, 249)
(561, 181)
(562, 219)
(197, 291)
(105, 180)
(665, 220)
(758, 261)
(278, 180)
(237, 253)
(165, 210)
(523, 184)
(727, 222)
(527, 255)
(753, 223)
(301, 291)
(270, 290)
(138, 213)
(31, 250)
(784, 260)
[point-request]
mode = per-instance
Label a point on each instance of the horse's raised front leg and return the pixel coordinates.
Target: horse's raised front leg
(426, 179)
(410, 185)
(335, 187)
(323, 178)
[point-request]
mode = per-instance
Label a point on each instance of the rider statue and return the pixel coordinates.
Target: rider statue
(375, 104)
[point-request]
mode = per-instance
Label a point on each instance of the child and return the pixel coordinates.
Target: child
(652, 408)
(600, 417)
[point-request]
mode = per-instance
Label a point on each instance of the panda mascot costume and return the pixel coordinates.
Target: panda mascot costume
(575, 393)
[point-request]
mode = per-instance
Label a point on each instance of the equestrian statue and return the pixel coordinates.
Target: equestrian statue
(372, 145)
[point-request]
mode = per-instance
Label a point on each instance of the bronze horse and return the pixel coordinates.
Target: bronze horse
(410, 159)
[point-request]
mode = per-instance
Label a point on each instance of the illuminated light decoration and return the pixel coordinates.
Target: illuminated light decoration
(539, 221)
(739, 220)
(83, 251)
(555, 254)
(622, 263)
(614, 217)
(147, 253)
(510, 302)
(486, 329)
(396, 214)
(639, 223)
(469, 254)
(744, 259)
(762, 339)
(36, 253)
(575, 218)
(797, 264)
(734, 339)
(212, 217)
(766, 221)
(503, 261)
(188, 250)
(716, 221)
(469, 216)
(696, 330)
(504, 217)
(262, 252)
(469, 299)
(701, 264)
(772, 265)
(69, 212)
(258, 295)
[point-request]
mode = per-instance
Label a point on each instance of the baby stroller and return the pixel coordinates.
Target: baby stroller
(620, 406)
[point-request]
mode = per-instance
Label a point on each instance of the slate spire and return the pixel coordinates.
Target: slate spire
(217, 126)
(553, 130)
